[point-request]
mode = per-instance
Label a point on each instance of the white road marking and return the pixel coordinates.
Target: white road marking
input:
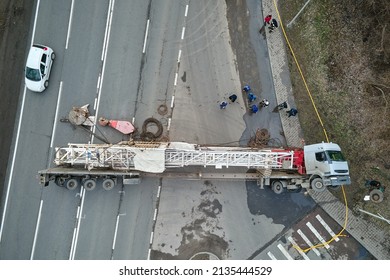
(76, 236)
(151, 237)
(159, 191)
(186, 12)
(172, 101)
(149, 251)
(69, 25)
(94, 104)
(327, 227)
(284, 251)
(116, 232)
(108, 27)
(272, 257)
(56, 116)
(318, 235)
(155, 214)
(175, 82)
(178, 57)
(17, 136)
(169, 123)
(104, 58)
(182, 32)
(36, 230)
(304, 237)
(146, 36)
(98, 83)
(35, 23)
(298, 248)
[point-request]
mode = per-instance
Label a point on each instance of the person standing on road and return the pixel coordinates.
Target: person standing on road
(274, 25)
(267, 19)
(292, 112)
(246, 88)
(223, 105)
(233, 98)
(264, 103)
(251, 97)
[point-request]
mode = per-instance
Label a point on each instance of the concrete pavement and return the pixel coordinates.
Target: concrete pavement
(373, 238)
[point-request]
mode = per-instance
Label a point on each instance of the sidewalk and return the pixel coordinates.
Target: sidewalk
(374, 239)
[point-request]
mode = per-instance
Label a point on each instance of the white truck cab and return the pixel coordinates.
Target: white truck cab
(326, 161)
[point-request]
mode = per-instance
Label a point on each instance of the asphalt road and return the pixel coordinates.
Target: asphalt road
(125, 59)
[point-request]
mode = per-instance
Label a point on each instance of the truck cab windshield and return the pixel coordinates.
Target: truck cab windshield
(335, 156)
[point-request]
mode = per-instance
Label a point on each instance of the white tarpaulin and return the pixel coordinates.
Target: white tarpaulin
(181, 146)
(149, 160)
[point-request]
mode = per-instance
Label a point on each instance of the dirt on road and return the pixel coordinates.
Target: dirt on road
(15, 19)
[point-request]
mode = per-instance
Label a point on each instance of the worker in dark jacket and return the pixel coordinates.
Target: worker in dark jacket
(233, 98)
(274, 25)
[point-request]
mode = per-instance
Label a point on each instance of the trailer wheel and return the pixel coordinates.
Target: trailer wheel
(277, 187)
(89, 184)
(376, 196)
(72, 184)
(60, 181)
(317, 184)
(108, 184)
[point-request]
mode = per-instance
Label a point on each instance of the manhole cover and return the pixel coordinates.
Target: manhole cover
(162, 109)
(204, 256)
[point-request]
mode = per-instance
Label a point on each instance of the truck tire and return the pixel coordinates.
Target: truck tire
(72, 184)
(376, 196)
(278, 187)
(89, 184)
(60, 181)
(317, 184)
(108, 184)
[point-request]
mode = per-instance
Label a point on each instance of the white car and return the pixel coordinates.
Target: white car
(38, 67)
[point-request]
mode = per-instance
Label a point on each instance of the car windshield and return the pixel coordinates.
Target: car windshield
(335, 155)
(33, 74)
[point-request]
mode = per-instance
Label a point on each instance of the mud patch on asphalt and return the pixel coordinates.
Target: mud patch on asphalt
(202, 233)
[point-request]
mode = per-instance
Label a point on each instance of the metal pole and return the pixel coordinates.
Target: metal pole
(297, 15)
(379, 216)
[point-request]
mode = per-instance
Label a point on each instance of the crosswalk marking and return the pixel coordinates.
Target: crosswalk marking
(298, 248)
(284, 251)
(308, 242)
(272, 257)
(319, 218)
(318, 235)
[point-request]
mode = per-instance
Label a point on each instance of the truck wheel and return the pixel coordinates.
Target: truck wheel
(89, 184)
(317, 184)
(71, 184)
(60, 181)
(108, 184)
(376, 196)
(277, 187)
